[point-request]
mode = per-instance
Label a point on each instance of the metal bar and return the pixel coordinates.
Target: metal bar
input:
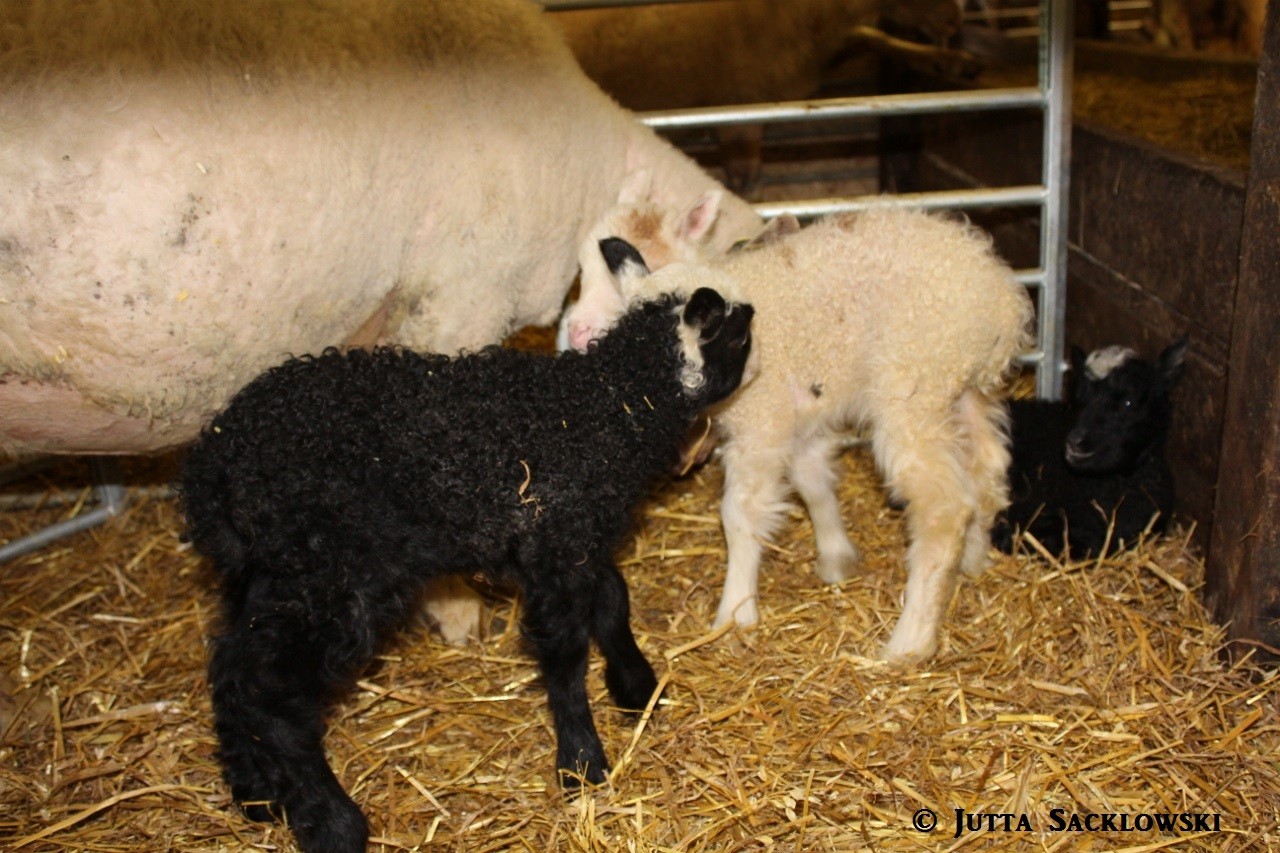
(111, 499)
(950, 200)
(851, 107)
(1031, 359)
(1055, 81)
(1030, 278)
(1028, 11)
(570, 5)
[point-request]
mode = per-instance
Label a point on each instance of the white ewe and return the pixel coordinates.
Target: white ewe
(191, 190)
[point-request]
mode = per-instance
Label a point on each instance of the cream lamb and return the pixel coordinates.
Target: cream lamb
(902, 322)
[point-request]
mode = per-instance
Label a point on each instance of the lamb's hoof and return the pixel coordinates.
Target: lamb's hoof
(573, 781)
(974, 568)
(903, 657)
(745, 615)
(338, 829)
(836, 568)
(631, 692)
(907, 649)
(260, 811)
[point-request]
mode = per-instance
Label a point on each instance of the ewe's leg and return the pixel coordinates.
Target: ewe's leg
(271, 675)
(813, 475)
(985, 423)
(454, 608)
(749, 510)
(920, 453)
(557, 623)
(627, 674)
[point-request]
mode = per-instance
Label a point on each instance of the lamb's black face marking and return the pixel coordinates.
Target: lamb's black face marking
(618, 253)
(724, 340)
(1122, 412)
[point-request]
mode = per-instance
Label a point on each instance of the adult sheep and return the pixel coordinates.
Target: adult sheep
(189, 191)
(748, 51)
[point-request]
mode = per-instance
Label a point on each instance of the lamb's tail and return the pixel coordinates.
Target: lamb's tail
(1011, 320)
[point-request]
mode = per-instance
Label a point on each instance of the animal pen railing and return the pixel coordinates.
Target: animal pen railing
(1052, 95)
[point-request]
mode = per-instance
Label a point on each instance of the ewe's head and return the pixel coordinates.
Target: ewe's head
(1122, 406)
(662, 235)
(714, 332)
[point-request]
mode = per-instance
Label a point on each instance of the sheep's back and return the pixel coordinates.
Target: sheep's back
(880, 301)
(472, 457)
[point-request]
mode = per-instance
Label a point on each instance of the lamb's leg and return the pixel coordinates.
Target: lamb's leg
(814, 476)
(269, 676)
(986, 423)
(557, 624)
(627, 674)
(749, 510)
(921, 455)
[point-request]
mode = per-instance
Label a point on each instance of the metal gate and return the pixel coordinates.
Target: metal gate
(1051, 95)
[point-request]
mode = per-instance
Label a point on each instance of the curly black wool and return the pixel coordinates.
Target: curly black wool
(333, 487)
(1089, 476)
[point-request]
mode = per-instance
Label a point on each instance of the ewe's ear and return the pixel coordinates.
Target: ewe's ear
(636, 187)
(777, 228)
(622, 258)
(705, 311)
(696, 222)
(1171, 360)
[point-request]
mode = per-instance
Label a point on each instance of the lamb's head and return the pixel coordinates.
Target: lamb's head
(661, 234)
(1122, 406)
(714, 331)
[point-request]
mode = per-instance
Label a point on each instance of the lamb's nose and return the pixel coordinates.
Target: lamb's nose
(1078, 446)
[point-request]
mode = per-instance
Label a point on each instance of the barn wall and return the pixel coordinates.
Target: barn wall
(1243, 566)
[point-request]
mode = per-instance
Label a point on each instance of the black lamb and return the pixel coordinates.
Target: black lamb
(1094, 467)
(333, 487)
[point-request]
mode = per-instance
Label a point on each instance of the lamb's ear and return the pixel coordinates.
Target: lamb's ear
(1171, 360)
(622, 258)
(636, 187)
(696, 222)
(705, 311)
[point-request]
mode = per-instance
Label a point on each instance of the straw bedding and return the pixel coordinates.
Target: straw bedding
(1084, 687)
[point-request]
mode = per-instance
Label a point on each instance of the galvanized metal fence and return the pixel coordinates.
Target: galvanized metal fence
(1052, 95)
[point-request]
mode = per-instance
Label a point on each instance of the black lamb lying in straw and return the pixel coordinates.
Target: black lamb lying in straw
(332, 488)
(1095, 467)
